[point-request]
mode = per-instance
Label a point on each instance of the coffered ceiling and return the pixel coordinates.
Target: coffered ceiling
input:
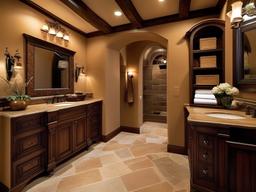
(96, 17)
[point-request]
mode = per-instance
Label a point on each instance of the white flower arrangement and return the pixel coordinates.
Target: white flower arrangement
(225, 89)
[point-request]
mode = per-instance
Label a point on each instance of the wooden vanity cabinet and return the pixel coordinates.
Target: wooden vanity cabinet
(28, 149)
(72, 130)
(222, 158)
(94, 123)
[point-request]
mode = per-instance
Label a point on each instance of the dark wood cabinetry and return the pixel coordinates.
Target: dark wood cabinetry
(28, 148)
(39, 142)
(222, 158)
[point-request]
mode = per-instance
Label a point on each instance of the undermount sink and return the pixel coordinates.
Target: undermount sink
(225, 115)
(62, 104)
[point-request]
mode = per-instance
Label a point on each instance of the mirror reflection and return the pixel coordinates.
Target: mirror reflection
(249, 44)
(51, 69)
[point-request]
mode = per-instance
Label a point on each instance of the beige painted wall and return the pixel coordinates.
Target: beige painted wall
(18, 18)
(178, 63)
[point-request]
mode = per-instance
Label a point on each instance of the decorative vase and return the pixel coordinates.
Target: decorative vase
(18, 105)
(226, 101)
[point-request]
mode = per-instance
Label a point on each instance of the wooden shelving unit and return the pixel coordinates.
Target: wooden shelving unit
(206, 29)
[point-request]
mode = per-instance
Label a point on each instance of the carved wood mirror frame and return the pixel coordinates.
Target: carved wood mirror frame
(247, 85)
(30, 44)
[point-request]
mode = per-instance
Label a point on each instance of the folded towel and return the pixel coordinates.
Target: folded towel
(203, 91)
(204, 96)
(205, 101)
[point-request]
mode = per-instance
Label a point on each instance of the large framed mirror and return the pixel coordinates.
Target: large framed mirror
(50, 66)
(244, 75)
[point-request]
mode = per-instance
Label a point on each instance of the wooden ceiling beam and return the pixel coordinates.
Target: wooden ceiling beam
(53, 17)
(130, 12)
(80, 8)
(176, 17)
(184, 7)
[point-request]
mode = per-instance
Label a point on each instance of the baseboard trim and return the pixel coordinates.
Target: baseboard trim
(106, 138)
(176, 149)
(130, 129)
(3, 188)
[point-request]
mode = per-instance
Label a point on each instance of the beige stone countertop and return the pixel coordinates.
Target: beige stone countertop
(39, 108)
(199, 115)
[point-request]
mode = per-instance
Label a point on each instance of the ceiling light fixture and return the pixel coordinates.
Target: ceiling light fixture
(161, 0)
(118, 13)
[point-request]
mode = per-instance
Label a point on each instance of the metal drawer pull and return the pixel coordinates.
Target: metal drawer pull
(205, 141)
(205, 171)
(205, 156)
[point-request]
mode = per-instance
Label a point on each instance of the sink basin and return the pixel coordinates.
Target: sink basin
(62, 104)
(225, 115)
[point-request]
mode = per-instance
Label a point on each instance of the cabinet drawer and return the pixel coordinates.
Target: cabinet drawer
(205, 140)
(29, 169)
(24, 146)
(206, 173)
(27, 123)
(72, 113)
(205, 156)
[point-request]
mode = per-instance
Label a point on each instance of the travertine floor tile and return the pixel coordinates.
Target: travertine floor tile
(112, 185)
(139, 150)
(123, 153)
(129, 162)
(88, 164)
(140, 179)
(72, 182)
(139, 163)
(161, 187)
(115, 170)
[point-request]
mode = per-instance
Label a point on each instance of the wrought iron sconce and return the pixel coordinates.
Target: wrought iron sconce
(129, 88)
(78, 71)
(11, 62)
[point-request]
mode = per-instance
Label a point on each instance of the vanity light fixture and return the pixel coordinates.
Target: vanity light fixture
(55, 29)
(79, 70)
(118, 13)
(161, 0)
(239, 13)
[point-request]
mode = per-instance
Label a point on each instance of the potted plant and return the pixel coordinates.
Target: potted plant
(224, 94)
(18, 99)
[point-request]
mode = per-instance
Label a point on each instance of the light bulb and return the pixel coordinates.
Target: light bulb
(45, 28)
(52, 31)
(66, 37)
(59, 34)
(118, 13)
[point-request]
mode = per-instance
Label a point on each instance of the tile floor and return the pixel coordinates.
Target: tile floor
(127, 163)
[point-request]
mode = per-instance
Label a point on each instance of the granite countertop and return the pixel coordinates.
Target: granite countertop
(39, 108)
(199, 115)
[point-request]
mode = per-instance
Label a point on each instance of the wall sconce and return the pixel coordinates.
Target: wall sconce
(130, 74)
(55, 29)
(238, 12)
(78, 71)
(12, 62)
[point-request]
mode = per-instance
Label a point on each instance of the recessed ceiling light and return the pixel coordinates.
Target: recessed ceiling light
(161, 0)
(118, 13)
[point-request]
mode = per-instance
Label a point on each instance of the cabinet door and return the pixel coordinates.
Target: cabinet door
(242, 167)
(64, 140)
(80, 138)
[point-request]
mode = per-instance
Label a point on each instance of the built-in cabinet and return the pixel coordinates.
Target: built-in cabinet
(222, 158)
(39, 142)
(206, 56)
